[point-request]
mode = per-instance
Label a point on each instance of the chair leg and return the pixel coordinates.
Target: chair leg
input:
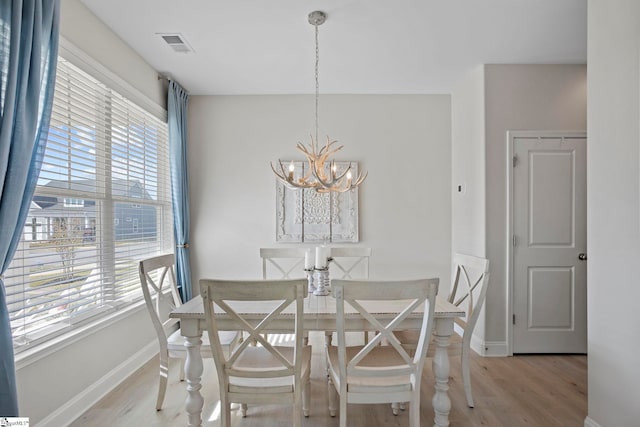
(333, 397)
(328, 338)
(466, 375)
(398, 405)
(243, 410)
(395, 406)
(182, 369)
(414, 411)
(297, 410)
(306, 397)
(225, 411)
(164, 376)
(343, 409)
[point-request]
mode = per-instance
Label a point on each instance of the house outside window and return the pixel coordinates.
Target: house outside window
(69, 203)
(106, 160)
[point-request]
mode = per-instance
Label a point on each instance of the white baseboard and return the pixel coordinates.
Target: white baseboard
(496, 349)
(588, 422)
(489, 348)
(75, 407)
(485, 348)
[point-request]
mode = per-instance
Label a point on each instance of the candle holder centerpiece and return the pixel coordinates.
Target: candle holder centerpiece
(322, 282)
(309, 269)
(321, 267)
(310, 280)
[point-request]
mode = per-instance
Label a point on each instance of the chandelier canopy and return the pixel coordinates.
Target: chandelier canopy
(322, 175)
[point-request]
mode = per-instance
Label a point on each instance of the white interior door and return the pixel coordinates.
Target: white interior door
(549, 243)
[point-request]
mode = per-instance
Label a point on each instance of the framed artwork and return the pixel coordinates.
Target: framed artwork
(304, 215)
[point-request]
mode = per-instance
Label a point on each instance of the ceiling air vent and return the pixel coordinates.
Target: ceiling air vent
(177, 42)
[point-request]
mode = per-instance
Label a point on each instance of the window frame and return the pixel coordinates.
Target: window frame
(164, 238)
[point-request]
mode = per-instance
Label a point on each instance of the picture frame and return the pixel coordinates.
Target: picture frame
(304, 215)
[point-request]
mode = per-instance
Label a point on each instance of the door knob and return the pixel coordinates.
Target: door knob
(582, 257)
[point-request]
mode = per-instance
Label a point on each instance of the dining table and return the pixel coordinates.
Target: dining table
(319, 315)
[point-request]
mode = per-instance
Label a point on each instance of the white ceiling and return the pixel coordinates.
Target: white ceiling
(366, 46)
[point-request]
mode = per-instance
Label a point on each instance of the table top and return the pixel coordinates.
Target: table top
(317, 307)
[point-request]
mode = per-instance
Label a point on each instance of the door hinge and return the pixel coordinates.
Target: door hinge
(515, 161)
(513, 319)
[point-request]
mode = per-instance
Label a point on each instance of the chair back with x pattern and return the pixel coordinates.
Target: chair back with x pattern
(469, 288)
(157, 275)
(413, 294)
(350, 262)
(260, 372)
(375, 373)
(282, 263)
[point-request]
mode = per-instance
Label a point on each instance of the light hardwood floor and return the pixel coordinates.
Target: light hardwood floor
(531, 391)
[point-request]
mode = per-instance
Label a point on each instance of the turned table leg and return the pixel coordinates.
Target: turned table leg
(193, 372)
(441, 402)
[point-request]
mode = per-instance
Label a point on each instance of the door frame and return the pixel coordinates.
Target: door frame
(511, 135)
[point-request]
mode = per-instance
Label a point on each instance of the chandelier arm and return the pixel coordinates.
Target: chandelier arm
(320, 179)
(313, 144)
(291, 183)
(355, 183)
(323, 181)
(327, 146)
(343, 174)
(304, 149)
(282, 176)
(310, 158)
(360, 178)
(324, 156)
(335, 185)
(334, 190)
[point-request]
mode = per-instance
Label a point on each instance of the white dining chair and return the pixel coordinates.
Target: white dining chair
(468, 291)
(261, 373)
(349, 262)
(375, 373)
(160, 290)
(282, 263)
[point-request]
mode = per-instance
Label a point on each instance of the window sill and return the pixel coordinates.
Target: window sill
(32, 355)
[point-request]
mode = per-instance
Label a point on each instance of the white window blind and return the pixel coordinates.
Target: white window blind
(102, 203)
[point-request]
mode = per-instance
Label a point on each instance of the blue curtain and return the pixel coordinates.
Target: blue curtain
(28, 58)
(177, 103)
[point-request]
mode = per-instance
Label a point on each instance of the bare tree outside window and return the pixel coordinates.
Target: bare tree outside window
(65, 238)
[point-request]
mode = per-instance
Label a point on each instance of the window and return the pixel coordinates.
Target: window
(106, 160)
(73, 202)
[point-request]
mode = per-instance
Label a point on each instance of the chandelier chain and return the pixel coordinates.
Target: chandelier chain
(316, 76)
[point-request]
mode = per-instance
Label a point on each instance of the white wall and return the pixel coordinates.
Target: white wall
(613, 212)
(59, 383)
(405, 203)
(520, 97)
(468, 164)
(468, 170)
(80, 26)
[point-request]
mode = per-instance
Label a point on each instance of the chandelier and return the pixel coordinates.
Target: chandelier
(322, 175)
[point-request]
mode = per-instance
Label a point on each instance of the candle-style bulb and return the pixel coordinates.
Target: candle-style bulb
(291, 169)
